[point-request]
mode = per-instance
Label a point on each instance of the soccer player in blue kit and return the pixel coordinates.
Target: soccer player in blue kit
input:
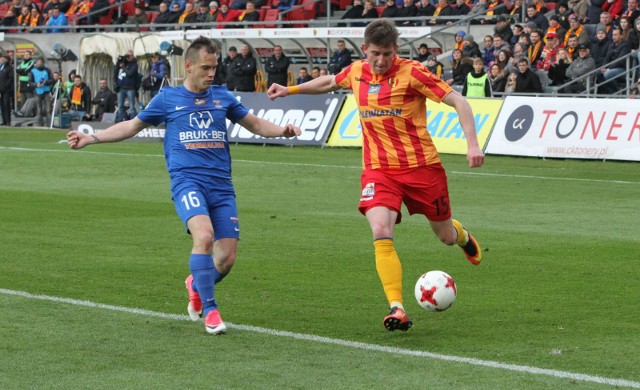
(199, 165)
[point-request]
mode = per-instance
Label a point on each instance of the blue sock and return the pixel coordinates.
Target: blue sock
(218, 276)
(204, 276)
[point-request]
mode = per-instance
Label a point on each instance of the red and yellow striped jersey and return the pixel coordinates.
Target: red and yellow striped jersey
(393, 112)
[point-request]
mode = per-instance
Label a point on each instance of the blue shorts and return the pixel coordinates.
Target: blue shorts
(218, 202)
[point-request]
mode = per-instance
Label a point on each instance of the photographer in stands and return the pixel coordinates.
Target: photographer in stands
(125, 78)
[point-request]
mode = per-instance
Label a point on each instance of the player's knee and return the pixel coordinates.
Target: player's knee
(381, 231)
(447, 238)
(203, 241)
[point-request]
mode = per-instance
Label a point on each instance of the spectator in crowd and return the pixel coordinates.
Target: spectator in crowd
(220, 77)
(188, 15)
(499, 44)
(493, 11)
(636, 29)
(601, 47)
(6, 88)
(35, 20)
(41, 79)
(477, 82)
(390, 10)
(80, 100)
(558, 69)
(10, 19)
(510, 86)
(487, 50)
(555, 27)
(535, 49)
(479, 9)
(138, 17)
(518, 30)
(303, 76)
(23, 70)
(435, 66)
(341, 58)
(315, 72)
(98, 8)
(578, 68)
(614, 8)
(104, 101)
(226, 15)
(549, 52)
(24, 18)
(57, 19)
(629, 33)
(635, 92)
(355, 12)
(204, 16)
(606, 24)
(165, 17)
(540, 7)
(503, 28)
(519, 51)
(632, 12)
(443, 9)
(368, 14)
(125, 78)
(49, 5)
(277, 67)
(470, 48)
(423, 52)
(594, 12)
(563, 12)
(576, 28)
(78, 9)
(244, 68)
(426, 9)
(619, 48)
(460, 67)
(458, 40)
(527, 81)
(231, 79)
(250, 15)
(213, 9)
(324, 72)
(498, 79)
(580, 8)
(181, 5)
(572, 46)
(460, 8)
(503, 58)
(408, 10)
(515, 12)
(157, 74)
(539, 19)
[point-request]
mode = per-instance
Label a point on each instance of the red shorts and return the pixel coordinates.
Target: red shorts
(423, 190)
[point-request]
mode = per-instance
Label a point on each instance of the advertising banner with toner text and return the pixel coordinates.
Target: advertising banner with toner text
(603, 129)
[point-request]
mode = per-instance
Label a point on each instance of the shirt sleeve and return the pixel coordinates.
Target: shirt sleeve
(156, 111)
(343, 78)
(428, 84)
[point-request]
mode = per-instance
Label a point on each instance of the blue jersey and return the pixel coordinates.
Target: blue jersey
(195, 140)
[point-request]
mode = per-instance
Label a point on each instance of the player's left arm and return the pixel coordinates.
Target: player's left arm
(265, 128)
(475, 156)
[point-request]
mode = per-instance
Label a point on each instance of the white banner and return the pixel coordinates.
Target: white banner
(603, 129)
(321, 33)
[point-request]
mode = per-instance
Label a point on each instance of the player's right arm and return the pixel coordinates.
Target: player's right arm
(115, 133)
(319, 85)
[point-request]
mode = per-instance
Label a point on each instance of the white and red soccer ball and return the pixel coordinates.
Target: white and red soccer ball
(436, 291)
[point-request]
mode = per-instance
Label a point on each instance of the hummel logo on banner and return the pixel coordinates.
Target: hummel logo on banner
(178, 108)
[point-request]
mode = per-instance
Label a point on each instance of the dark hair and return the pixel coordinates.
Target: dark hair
(381, 32)
(193, 51)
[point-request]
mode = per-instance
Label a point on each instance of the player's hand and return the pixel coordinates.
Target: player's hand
(475, 156)
(276, 91)
(77, 139)
(291, 130)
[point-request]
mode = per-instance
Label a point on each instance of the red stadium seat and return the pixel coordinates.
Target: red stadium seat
(550, 6)
(272, 15)
(307, 12)
(380, 8)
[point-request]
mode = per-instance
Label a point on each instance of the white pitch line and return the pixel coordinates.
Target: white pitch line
(516, 176)
(345, 343)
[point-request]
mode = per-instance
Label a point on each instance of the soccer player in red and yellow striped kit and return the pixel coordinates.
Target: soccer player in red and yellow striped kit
(401, 164)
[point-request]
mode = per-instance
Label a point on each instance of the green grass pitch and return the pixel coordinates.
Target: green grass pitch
(558, 290)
